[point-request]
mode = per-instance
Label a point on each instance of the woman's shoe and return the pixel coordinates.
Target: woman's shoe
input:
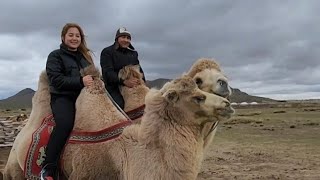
(49, 172)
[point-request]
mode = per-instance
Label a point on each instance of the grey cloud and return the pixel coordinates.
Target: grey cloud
(23, 17)
(256, 42)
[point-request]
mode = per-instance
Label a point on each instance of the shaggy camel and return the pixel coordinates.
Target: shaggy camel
(168, 144)
(92, 102)
(209, 77)
(116, 159)
(205, 72)
(41, 108)
(133, 97)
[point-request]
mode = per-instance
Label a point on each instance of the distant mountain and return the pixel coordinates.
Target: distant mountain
(157, 83)
(239, 96)
(23, 99)
(20, 100)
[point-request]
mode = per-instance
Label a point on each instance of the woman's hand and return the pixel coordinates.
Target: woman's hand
(131, 82)
(87, 80)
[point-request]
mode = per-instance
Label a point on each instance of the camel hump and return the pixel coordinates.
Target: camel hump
(43, 79)
(184, 83)
(130, 71)
(91, 70)
(202, 64)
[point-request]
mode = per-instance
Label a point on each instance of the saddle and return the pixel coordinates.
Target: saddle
(36, 151)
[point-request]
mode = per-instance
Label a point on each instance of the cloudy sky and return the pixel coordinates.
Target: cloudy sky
(266, 48)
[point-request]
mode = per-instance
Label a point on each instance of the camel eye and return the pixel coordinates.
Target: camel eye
(199, 99)
(222, 82)
(198, 81)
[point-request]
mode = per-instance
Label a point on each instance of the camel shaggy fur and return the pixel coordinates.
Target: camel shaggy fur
(95, 111)
(168, 144)
(133, 97)
(93, 105)
(207, 74)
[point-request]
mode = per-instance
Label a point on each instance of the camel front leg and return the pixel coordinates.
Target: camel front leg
(12, 170)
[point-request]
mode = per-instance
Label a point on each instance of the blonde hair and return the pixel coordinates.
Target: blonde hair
(83, 49)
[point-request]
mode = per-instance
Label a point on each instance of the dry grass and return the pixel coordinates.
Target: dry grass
(260, 144)
(267, 145)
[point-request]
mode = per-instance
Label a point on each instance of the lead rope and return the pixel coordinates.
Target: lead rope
(213, 127)
(117, 106)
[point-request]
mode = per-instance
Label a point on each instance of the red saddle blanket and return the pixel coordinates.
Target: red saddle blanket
(36, 152)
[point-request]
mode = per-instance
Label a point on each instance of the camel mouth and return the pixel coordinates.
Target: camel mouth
(226, 112)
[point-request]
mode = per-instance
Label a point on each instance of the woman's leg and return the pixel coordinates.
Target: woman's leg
(63, 109)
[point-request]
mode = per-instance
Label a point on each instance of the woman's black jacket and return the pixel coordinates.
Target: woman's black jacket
(63, 71)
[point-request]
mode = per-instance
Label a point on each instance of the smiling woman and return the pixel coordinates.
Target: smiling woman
(63, 70)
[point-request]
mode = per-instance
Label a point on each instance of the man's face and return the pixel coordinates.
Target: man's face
(124, 41)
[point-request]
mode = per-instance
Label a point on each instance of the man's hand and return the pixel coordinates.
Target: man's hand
(131, 82)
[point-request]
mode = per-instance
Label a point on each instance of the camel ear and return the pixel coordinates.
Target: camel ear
(171, 96)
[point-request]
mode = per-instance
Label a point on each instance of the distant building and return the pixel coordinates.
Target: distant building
(243, 104)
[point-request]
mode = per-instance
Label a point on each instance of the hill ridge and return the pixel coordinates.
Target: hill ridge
(23, 99)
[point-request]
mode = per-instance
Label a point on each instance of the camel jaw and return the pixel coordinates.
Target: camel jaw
(226, 112)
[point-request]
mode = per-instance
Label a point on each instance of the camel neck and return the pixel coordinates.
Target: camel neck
(179, 147)
(183, 149)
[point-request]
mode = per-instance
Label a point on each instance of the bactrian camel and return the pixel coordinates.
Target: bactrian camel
(116, 158)
(168, 144)
(206, 73)
(209, 77)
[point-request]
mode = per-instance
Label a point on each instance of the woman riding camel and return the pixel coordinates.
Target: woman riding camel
(63, 70)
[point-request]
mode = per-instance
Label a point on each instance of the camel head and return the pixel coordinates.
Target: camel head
(98, 85)
(130, 71)
(208, 76)
(185, 98)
